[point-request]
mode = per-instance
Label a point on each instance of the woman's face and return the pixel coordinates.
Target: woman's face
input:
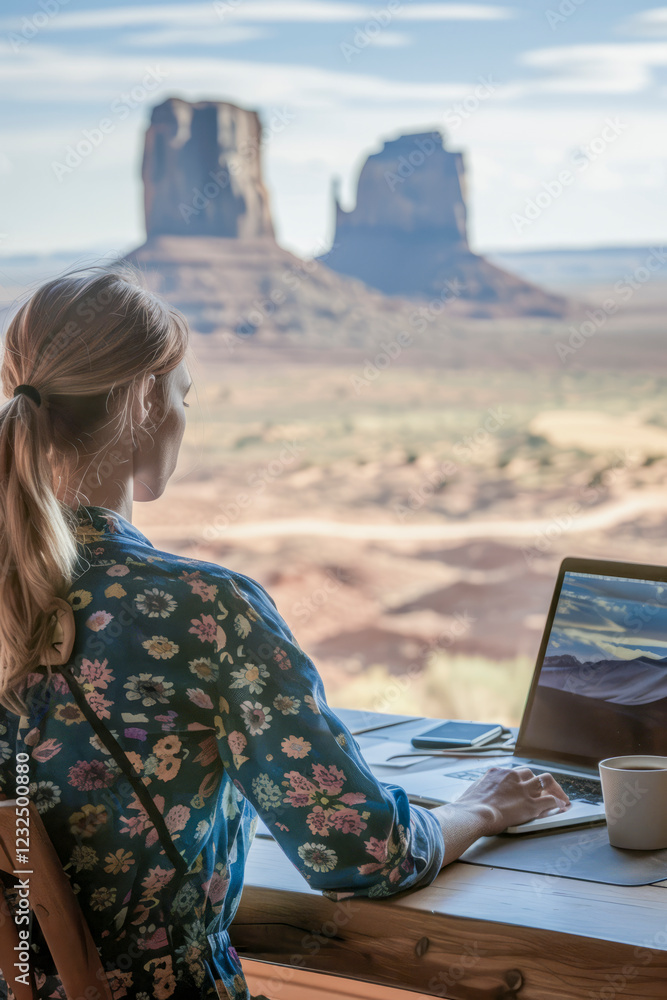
(156, 452)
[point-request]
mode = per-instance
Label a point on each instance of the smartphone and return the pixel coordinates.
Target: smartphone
(457, 734)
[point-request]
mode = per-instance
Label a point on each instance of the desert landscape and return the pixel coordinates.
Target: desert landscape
(403, 473)
(411, 532)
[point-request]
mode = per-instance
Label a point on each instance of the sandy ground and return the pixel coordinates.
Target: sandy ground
(389, 596)
(409, 517)
(411, 525)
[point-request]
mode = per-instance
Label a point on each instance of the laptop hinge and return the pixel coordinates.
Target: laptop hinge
(552, 765)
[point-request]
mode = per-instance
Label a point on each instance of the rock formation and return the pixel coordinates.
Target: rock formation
(414, 187)
(211, 251)
(235, 290)
(202, 172)
(407, 234)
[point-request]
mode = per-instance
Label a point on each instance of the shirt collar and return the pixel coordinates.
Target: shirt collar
(97, 523)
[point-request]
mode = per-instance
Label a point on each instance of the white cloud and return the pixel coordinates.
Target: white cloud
(392, 40)
(340, 118)
(456, 12)
(510, 148)
(649, 640)
(624, 653)
(625, 648)
(211, 34)
(231, 34)
(44, 73)
(295, 11)
(648, 22)
(604, 178)
(596, 68)
(341, 115)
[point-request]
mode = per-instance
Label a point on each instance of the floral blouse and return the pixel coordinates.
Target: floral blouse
(186, 709)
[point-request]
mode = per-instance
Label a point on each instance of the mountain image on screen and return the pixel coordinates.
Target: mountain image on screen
(602, 687)
(638, 681)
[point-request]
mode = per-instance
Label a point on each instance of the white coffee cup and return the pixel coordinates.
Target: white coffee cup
(634, 789)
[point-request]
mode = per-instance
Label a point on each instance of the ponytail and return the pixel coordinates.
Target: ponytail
(37, 545)
(76, 346)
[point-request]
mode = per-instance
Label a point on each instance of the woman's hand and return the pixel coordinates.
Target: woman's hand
(514, 795)
(502, 797)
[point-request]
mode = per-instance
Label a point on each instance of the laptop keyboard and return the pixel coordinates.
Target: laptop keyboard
(579, 788)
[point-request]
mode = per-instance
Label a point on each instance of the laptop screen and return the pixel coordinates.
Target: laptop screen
(600, 688)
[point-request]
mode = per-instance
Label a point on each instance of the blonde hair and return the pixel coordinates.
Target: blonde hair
(82, 341)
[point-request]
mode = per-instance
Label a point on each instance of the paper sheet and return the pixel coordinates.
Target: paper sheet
(381, 751)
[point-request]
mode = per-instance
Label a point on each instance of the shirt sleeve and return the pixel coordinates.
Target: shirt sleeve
(295, 761)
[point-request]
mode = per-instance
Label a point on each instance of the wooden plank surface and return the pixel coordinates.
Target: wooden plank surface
(281, 983)
(476, 933)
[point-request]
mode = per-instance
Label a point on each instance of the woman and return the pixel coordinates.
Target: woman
(163, 702)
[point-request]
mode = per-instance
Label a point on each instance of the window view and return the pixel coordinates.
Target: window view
(328, 330)
(421, 255)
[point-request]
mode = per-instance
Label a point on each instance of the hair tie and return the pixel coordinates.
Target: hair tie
(29, 390)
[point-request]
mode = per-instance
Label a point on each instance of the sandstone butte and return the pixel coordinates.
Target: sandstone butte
(400, 262)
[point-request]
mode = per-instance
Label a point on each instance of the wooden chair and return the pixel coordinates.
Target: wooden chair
(54, 904)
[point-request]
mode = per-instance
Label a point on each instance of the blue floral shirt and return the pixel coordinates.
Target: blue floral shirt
(186, 709)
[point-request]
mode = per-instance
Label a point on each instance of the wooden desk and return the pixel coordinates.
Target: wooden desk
(476, 933)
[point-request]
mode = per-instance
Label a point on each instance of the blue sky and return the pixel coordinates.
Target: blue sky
(546, 92)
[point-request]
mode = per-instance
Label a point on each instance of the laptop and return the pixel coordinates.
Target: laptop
(599, 689)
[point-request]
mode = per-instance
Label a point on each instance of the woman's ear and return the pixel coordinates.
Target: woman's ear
(141, 401)
(60, 649)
